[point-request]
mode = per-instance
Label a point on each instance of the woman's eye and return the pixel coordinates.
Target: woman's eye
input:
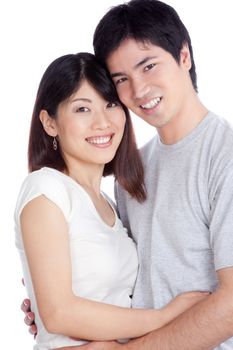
(149, 66)
(112, 104)
(82, 109)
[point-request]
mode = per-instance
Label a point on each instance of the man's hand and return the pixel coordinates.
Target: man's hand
(29, 317)
(99, 345)
(95, 345)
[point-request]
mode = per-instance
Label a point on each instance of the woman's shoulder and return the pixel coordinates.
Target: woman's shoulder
(43, 176)
(44, 179)
(47, 182)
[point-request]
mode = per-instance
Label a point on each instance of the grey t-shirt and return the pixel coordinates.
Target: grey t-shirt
(184, 230)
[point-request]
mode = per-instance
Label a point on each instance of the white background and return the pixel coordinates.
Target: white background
(35, 32)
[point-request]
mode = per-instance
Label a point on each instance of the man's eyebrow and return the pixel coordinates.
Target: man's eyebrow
(137, 65)
(119, 74)
(146, 59)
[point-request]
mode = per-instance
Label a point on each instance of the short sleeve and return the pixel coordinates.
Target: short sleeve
(221, 221)
(45, 183)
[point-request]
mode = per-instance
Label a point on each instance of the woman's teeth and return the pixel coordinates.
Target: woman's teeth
(99, 140)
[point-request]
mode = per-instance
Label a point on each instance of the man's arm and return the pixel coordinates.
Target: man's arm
(203, 327)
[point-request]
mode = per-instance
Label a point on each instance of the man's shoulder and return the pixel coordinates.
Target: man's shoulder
(221, 124)
(221, 134)
(217, 146)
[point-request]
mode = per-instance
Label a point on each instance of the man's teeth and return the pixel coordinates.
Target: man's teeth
(99, 140)
(152, 103)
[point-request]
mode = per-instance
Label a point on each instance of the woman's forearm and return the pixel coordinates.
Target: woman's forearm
(86, 319)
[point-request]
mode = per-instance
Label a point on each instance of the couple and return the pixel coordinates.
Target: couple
(180, 215)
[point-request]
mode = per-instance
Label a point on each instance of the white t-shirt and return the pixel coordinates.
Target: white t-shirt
(104, 258)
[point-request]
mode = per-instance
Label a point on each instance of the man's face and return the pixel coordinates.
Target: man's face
(150, 82)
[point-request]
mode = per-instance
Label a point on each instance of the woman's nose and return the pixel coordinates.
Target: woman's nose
(101, 120)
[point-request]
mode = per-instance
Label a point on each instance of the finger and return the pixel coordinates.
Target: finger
(33, 330)
(71, 348)
(26, 306)
(29, 319)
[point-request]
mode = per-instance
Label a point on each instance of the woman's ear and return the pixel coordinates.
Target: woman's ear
(49, 124)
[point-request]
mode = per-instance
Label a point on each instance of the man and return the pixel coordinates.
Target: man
(184, 229)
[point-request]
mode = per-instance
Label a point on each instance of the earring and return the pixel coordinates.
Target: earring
(54, 144)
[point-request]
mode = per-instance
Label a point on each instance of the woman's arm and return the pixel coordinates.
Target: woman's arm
(46, 242)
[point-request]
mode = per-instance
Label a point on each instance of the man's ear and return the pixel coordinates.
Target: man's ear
(49, 124)
(185, 57)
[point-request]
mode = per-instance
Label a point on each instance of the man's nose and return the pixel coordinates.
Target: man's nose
(139, 89)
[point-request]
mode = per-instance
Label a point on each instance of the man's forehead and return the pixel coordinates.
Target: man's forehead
(131, 53)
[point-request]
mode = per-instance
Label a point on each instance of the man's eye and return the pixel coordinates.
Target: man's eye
(120, 81)
(149, 66)
(82, 109)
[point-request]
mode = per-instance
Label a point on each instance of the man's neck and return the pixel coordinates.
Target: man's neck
(181, 125)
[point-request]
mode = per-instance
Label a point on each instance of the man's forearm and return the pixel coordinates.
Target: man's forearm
(203, 327)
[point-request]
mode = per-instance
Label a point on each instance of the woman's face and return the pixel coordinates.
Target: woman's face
(89, 128)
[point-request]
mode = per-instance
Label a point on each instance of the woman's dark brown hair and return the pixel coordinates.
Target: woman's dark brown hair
(62, 79)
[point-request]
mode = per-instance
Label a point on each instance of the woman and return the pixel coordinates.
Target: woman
(79, 263)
